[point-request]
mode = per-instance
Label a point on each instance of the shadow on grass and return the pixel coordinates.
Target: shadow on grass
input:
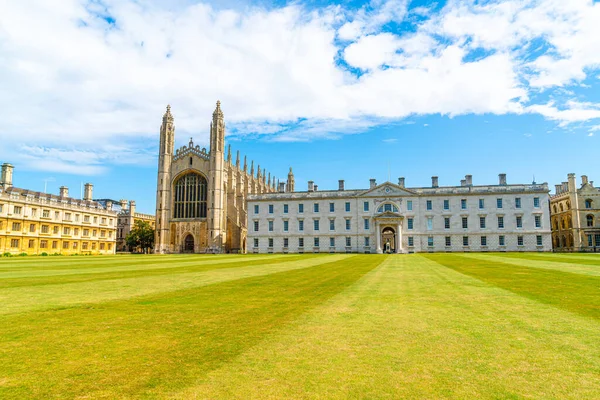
(154, 345)
(570, 291)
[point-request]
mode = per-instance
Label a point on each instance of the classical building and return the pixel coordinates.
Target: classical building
(126, 220)
(201, 195)
(575, 215)
(34, 223)
(393, 218)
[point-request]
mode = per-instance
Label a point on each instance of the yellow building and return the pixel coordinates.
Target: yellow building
(126, 221)
(35, 223)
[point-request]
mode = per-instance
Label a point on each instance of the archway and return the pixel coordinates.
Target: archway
(388, 240)
(188, 244)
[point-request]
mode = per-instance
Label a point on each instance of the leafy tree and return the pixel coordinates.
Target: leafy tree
(140, 237)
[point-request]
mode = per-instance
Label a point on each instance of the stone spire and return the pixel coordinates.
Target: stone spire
(259, 173)
(168, 117)
(290, 181)
(237, 160)
(269, 181)
(252, 169)
(218, 114)
(229, 154)
(264, 175)
(245, 164)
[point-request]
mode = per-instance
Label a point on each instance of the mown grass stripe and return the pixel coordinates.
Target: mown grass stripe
(45, 297)
(148, 346)
(570, 291)
(584, 269)
(83, 274)
(562, 258)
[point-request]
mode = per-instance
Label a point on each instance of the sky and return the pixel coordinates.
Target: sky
(335, 89)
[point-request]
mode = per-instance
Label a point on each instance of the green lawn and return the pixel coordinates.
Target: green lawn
(501, 326)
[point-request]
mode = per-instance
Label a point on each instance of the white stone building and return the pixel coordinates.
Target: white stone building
(392, 218)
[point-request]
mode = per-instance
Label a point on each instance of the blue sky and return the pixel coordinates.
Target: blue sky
(339, 90)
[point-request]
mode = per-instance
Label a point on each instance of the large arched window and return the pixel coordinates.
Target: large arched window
(387, 207)
(190, 196)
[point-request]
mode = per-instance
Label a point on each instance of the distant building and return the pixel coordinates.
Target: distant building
(575, 215)
(201, 195)
(394, 219)
(126, 221)
(34, 223)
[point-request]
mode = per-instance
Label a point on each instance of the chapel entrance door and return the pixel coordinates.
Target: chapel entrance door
(188, 245)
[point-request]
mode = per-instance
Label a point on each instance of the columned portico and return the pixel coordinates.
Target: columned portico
(390, 225)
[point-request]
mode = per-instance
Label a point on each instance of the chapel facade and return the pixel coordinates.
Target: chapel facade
(201, 195)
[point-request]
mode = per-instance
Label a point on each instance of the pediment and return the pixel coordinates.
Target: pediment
(388, 189)
(388, 215)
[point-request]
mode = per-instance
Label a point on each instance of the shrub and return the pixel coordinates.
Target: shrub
(23, 255)
(7, 254)
(44, 254)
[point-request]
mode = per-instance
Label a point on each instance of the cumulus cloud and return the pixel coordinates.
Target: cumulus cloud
(75, 74)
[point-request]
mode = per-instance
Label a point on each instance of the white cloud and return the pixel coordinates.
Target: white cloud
(573, 112)
(77, 80)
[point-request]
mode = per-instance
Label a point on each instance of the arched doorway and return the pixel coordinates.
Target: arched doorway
(188, 244)
(388, 240)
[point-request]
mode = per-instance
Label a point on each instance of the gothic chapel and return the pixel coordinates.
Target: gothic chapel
(201, 196)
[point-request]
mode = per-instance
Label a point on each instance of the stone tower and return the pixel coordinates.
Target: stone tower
(290, 181)
(163, 184)
(216, 220)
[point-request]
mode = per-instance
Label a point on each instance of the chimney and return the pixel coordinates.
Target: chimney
(557, 189)
(132, 208)
(109, 205)
(571, 184)
(281, 187)
(6, 177)
(469, 180)
(401, 181)
(311, 186)
(316, 187)
(565, 187)
(123, 204)
(463, 182)
(87, 191)
(434, 182)
(64, 191)
(373, 183)
(502, 179)
(592, 183)
(341, 184)
(584, 179)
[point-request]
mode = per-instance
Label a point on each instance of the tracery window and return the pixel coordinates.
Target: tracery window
(190, 196)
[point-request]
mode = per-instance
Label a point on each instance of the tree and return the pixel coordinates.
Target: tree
(140, 237)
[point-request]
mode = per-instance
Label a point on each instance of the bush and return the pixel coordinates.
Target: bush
(55, 254)
(23, 255)
(7, 254)
(44, 254)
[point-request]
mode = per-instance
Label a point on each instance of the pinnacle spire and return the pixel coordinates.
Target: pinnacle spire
(245, 164)
(229, 154)
(252, 168)
(168, 115)
(218, 113)
(237, 159)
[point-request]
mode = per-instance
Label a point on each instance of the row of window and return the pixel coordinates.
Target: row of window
(316, 225)
(316, 242)
(466, 241)
(409, 223)
(392, 208)
(15, 244)
(18, 210)
(16, 227)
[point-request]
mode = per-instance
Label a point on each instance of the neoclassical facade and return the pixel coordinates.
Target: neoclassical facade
(575, 215)
(392, 218)
(201, 195)
(35, 223)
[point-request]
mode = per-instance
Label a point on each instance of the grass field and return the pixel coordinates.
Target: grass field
(502, 326)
